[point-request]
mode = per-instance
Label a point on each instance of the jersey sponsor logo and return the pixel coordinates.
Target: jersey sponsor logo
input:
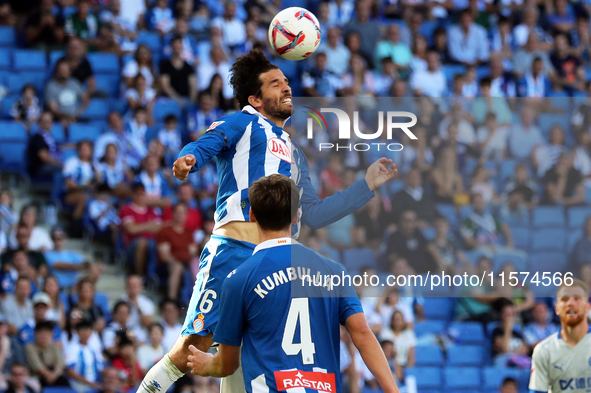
(279, 149)
(214, 125)
(199, 324)
(575, 383)
(323, 382)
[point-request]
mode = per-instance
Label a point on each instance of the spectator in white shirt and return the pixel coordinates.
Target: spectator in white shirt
(133, 11)
(150, 353)
(340, 11)
(121, 323)
(39, 239)
(529, 26)
(218, 64)
(169, 310)
(468, 42)
(430, 82)
(83, 361)
(337, 53)
(140, 64)
(140, 95)
(141, 308)
(546, 156)
(492, 137)
(233, 30)
(79, 175)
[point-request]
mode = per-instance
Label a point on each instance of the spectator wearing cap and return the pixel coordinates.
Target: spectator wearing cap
(141, 308)
(127, 362)
(41, 305)
(177, 77)
(121, 324)
(84, 363)
(79, 64)
(337, 53)
(111, 381)
(176, 248)
(468, 42)
(45, 357)
(65, 97)
(170, 313)
(43, 153)
(18, 308)
(430, 82)
(140, 226)
(150, 353)
(67, 264)
(17, 379)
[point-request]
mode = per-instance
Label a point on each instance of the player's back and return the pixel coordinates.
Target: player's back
(290, 341)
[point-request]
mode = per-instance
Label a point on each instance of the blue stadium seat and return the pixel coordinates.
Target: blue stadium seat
(507, 169)
(54, 56)
(426, 30)
(118, 105)
(461, 378)
(518, 261)
(97, 110)
(80, 132)
(58, 389)
(466, 355)
(7, 103)
(16, 82)
(58, 133)
(451, 70)
(549, 120)
(4, 59)
(577, 216)
(12, 132)
(548, 239)
(449, 212)
(288, 67)
(12, 157)
(518, 222)
(521, 237)
(573, 238)
(548, 216)
(357, 258)
(438, 308)
(104, 63)
(468, 333)
(559, 99)
(7, 37)
(108, 84)
(396, 185)
(429, 327)
(427, 377)
(428, 356)
(68, 153)
(547, 262)
(152, 40)
(29, 60)
(494, 376)
(429, 233)
(164, 107)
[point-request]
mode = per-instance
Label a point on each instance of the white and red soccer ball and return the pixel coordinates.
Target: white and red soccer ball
(295, 33)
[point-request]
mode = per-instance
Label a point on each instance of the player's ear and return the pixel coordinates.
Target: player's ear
(251, 216)
(294, 221)
(255, 102)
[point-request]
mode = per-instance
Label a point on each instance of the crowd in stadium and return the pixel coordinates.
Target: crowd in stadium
(107, 93)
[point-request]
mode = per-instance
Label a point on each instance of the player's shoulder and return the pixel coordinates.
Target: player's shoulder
(237, 120)
(547, 345)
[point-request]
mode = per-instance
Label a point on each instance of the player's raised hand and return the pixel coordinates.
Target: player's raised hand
(380, 172)
(199, 361)
(182, 166)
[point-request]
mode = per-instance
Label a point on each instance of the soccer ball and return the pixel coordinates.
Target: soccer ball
(294, 33)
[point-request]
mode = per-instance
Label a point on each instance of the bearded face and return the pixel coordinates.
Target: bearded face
(572, 306)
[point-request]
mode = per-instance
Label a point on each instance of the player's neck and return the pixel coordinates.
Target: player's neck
(573, 334)
(275, 120)
(270, 235)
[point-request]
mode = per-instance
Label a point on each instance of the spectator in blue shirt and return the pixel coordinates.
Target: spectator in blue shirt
(541, 327)
(563, 18)
(202, 117)
(534, 83)
(160, 18)
(156, 184)
(468, 42)
(84, 362)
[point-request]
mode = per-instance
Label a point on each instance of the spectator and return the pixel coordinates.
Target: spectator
(11, 351)
(465, 133)
(202, 117)
(64, 96)
(140, 96)
(524, 58)
(194, 217)
(45, 358)
(38, 264)
(91, 312)
(447, 181)
(449, 251)
(39, 239)
(41, 305)
(17, 266)
(580, 38)
(103, 214)
(475, 301)
(319, 81)
(368, 30)
(141, 308)
(525, 135)
(57, 311)
(176, 248)
(419, 56)
(440, 45)
(232, 28)
(413, 197)
(481, 184)
(170, 137)
(177, 77)
(563, 184)
(18, 308)
(502, 42)
(124, 28)
(43, 153)
(217, 64)
(83, 361)
(561, 17)
(534, 83)
(522, 185)
(27, 108)
(106, 41)
(160, 18)
(372, 222)
(149, 354)
(581, 253)
(80, 176)
(340, 12)
(155, 183)
(358, 81)
(126, 362)
(404, 340)
(393, 48)
(140, 64)
(44, 29)
(132, 12)
(170, 312)
(509, 385)
(70, 333)
(337, 53)
(409, 243)
(132, 151)
(8, 218)
(67, 264)
(568, 74)
(508, 345)
(17, 382)
(430, 82)
(488, 103)
(79, 64)
(540, 327)
(545, 156)
(82, 24)
(121, 324)
(492, 138)
(112, 172)
(529, 27)
(111, 381)
(468, 42)
(502, 84)
(137, 127)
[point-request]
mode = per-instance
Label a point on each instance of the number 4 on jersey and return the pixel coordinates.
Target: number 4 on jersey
(299, 310)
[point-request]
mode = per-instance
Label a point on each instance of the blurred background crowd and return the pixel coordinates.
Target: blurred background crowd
(98, 97)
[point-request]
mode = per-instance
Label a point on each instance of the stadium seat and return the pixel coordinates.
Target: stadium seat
(4, 59)
(428, 356)
(119, 105)
(97, 109)
(104, 63)
(58, 133)
(468, 333)
(427, 28)
(438, 308)
(152, 40)
(108, 84)
(58, 389)
(501, 258)
(7, 103)
(547, 262)
(577, 216)
(549, 120)
(80, 132)
(396, 185)
(548, 239)
(521, 237)
(17, 81)
(12, 157)
(573, 238)
(7, 37)
(449, 212)
(429, 327)
(450, 71)
(426, 377)
(12, 132)
(288, 67)
(29, 60)
(356, 258)
(461, 378)
(494, 376)
(164, 107)
(548, 216)
(466, 355)
(507, 169)
(54, 56)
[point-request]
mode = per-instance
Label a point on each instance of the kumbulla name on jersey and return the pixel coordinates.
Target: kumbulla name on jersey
(291, 274)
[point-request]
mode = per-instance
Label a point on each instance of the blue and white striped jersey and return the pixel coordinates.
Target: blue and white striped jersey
(247, 147)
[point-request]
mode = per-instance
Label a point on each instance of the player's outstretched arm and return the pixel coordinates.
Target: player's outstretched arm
(182, 166)
(225, 362)
(371, 352)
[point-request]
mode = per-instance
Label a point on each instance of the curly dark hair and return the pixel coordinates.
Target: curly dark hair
(246, 71)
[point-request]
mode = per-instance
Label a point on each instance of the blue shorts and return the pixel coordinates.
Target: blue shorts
(220, 256)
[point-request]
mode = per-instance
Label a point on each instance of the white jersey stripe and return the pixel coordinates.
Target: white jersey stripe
(240, 160)
(259, 384)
